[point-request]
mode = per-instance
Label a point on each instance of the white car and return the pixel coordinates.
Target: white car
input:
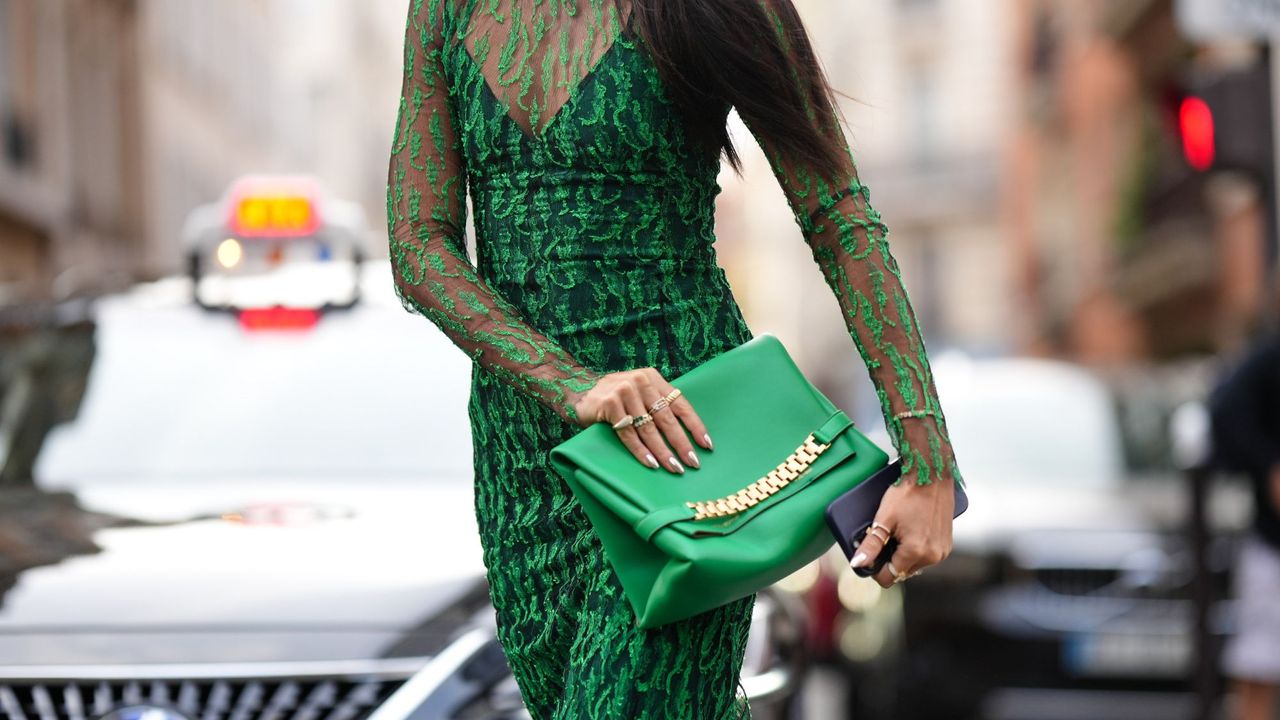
(250, 520)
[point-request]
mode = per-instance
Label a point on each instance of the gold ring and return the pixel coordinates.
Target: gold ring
(665, 401)
(625, 421)
(640, 421)
(897, 576)
(883, 540)
(878, 524)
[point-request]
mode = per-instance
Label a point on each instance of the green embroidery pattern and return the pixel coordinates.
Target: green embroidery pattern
(594, 224)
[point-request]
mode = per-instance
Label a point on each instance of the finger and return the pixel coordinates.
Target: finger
(683, 410)
(906, 558)
(632, 441)
(649, 435)
(627, 434)
(885, 576)
(669, 426)
(868, 549)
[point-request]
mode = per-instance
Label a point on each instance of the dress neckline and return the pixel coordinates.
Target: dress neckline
(624, 36)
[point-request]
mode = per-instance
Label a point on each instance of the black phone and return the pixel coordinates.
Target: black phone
(850, 515)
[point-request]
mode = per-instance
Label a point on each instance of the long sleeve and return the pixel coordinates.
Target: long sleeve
(426, 220)
(849, 242)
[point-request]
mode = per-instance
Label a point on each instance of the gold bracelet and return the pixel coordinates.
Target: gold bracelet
(914, 413)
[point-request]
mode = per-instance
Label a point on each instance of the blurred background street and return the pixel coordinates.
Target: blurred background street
(221, 494)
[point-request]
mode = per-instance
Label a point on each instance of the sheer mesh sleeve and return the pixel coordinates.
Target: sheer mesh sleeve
(426, 219)
(850, 244)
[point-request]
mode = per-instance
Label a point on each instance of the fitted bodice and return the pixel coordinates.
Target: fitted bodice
(608, 200)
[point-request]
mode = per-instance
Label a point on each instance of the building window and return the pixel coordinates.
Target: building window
(17, 144)
(6, 59)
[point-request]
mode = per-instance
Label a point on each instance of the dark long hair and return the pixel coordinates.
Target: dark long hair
(713, 53)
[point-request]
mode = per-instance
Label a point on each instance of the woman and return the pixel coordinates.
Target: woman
(589, 133)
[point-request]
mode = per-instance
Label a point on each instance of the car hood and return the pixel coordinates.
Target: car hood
(134, 572)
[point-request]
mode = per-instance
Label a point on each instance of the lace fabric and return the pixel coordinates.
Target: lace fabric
(533, 55)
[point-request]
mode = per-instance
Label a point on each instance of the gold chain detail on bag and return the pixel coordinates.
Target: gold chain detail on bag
(776, 479)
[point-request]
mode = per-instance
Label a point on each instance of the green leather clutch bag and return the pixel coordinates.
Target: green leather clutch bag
(751, 515)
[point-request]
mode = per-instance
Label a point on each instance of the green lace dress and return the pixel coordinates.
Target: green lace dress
(594, 228)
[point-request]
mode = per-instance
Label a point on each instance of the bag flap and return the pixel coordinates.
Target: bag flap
(757, 406)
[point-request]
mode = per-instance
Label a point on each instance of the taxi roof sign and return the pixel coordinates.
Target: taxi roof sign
(273, 206)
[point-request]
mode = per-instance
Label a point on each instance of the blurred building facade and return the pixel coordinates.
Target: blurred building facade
(1123, 252)
(1026, 157)
(268, 86)
(119, 116)
(71, 198)
(211, 108)
(344, 65)
(929, 85)
(1019, 151)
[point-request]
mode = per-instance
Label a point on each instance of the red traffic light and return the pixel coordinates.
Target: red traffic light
(1195, 124)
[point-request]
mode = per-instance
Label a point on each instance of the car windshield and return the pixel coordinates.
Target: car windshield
(1030, 421)
(176, 393)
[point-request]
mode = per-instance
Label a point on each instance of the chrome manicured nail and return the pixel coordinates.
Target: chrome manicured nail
(708, 439)
(858, 560)
(653, 461)
(675, 464)
(693, 460)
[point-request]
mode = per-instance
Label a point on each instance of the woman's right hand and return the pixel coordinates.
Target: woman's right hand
(633, 392)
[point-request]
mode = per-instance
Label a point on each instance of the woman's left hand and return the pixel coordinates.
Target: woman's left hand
(919, 517)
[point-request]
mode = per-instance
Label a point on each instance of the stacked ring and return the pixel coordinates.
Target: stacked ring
(901, 576)
(665, 401)
(880, 526)
(642, 420)
(897, 576)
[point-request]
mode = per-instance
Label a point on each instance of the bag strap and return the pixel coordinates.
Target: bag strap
(788, 470)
